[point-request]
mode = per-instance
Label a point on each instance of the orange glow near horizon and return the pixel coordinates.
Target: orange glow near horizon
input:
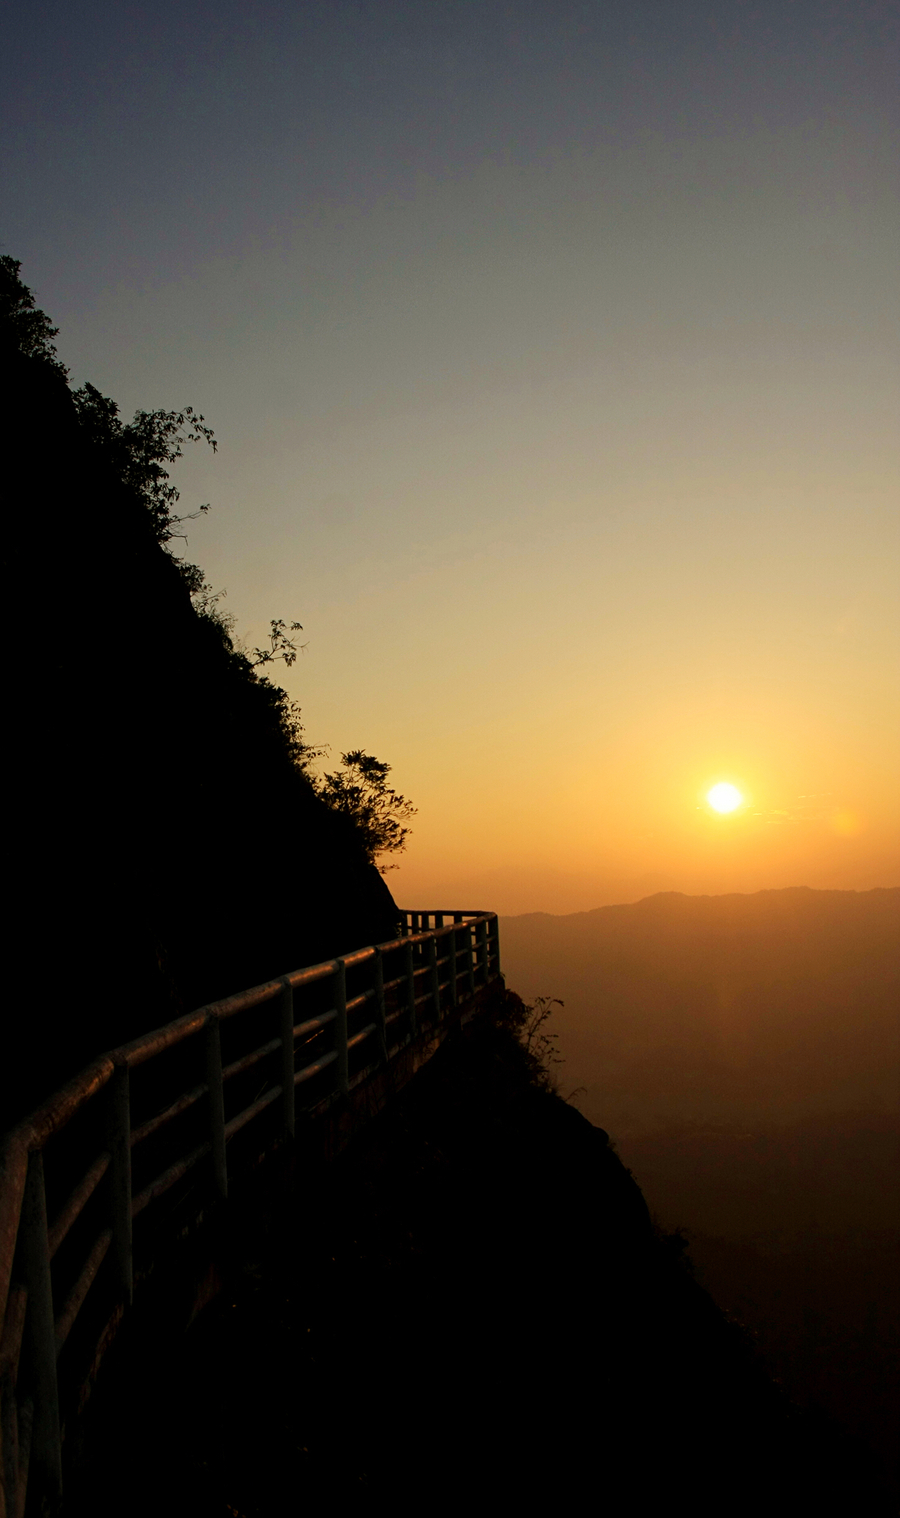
(560, 412)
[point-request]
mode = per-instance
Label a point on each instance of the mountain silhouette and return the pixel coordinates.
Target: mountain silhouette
(163, 847)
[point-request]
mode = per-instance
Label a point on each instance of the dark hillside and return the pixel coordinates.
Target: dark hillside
(163, 848)
(469, 1307)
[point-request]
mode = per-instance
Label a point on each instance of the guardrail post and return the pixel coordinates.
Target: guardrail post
(411, 990)
(439, 919)
(39, 1339)
(451, 940)
(470, 960)
(286, 1015)
(340, 1033)
(494, 943)
(120, 1176)
(216, 1105)
(435, 977)
(378, 984)
(10, 1500)
(481, 940)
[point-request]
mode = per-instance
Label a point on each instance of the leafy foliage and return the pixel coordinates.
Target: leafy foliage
(281, 644)
(361, 791)
(24, 326)
(529, 1025)
(139, 454)
(139, 451)
(537, 1041)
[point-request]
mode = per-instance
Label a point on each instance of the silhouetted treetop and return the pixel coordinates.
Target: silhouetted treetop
(23, 327)
(361, 792)
(138, 452)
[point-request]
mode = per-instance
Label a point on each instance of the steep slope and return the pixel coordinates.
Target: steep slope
(471, 1308)
(162, 848)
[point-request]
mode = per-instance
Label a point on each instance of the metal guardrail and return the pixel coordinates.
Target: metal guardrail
(127, 1156)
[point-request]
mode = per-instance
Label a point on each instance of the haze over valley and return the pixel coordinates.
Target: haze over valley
(743, 1052)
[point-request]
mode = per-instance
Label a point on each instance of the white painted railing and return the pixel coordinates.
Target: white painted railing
(131, 1153)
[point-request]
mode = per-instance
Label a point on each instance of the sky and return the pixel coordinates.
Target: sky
(552, 352)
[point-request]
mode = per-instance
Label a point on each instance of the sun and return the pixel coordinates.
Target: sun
(724, 797)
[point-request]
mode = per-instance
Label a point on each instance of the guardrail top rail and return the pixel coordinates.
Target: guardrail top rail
(133, 1149)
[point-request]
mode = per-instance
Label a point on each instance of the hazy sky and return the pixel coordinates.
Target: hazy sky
(552, 349)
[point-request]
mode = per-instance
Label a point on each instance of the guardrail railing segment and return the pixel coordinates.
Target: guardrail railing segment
(133, 1150)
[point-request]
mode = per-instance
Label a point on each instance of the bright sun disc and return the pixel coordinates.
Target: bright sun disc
(724, 797)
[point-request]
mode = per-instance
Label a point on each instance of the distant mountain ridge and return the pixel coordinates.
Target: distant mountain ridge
(744, 1054)
(783, 892)
(701, 1006)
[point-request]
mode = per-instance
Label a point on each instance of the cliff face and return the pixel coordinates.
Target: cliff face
(162, 849)
(469, 1307)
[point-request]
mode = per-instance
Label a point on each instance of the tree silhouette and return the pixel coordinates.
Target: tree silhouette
(26, 329)
(361, 792)
(281, 644)
(138, 453)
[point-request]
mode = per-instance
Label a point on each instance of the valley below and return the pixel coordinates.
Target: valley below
(742, 1052)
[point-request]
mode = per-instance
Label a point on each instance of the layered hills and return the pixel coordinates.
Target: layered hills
(709, 1008)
